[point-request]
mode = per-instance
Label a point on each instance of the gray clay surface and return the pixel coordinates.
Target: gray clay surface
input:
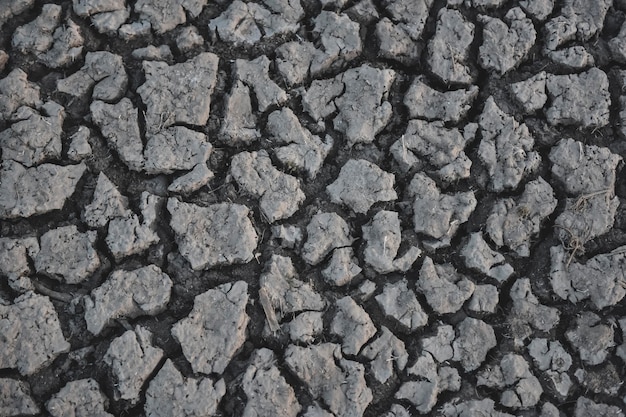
(312, 208)
(82, 397)
(208, 343)
(170, 394)
(132, 358)
(196, 227)
(127, 294)
(32, 325)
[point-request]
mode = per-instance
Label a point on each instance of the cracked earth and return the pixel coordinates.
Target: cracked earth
(312, 208)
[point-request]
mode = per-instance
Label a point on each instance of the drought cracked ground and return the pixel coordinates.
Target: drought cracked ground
(312, 208)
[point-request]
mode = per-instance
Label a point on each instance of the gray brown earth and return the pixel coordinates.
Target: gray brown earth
(312, 208)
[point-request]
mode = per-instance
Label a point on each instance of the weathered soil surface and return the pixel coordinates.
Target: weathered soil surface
(312, 208)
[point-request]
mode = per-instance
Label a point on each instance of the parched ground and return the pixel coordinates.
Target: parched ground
(312, 208)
